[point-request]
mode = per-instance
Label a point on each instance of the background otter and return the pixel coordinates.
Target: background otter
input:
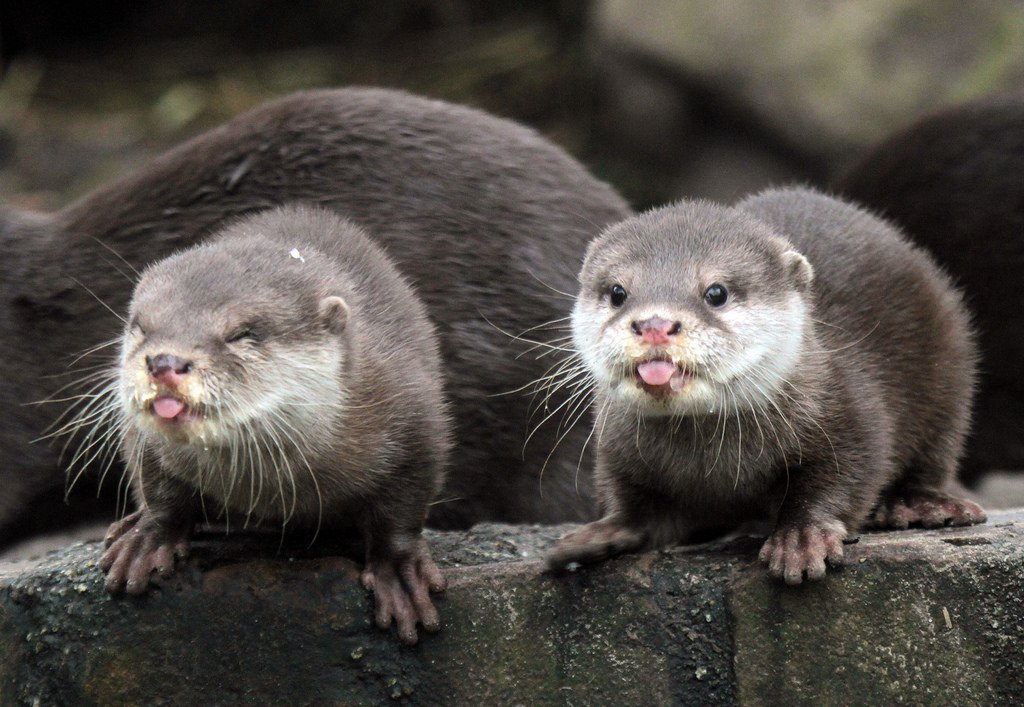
(485, 217)
(791, 359)
(281, 373)
(953, 181)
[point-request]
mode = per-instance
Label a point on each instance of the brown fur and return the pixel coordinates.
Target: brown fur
(872, 413)
(313, 410)
(486, 218)
(953, 182)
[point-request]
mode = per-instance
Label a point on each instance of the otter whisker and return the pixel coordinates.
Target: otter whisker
(282, 463)
(567, 401)
(117, 452)
(98, 299)
(569, 384)
(553, 289)
(515, 337)
(546, 379)
(569, 371)
(560, 344)
(100, 436)
(601, 413)
(584, 397)
(94, 349)
(316, 484)
(739, 441)
(119, 257)
(92, 417)
(96, 391)
(825, 352)
(549, 324)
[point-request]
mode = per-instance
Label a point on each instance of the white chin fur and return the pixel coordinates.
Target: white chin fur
(299, 388)
(740, 370)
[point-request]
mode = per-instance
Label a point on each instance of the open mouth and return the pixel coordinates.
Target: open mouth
(172, 409)
(661, 377)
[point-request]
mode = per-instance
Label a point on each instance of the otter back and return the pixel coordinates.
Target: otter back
(953, 182)
(485, 217)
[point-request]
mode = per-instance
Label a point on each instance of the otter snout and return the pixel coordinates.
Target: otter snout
(655, 330)
(168, 369)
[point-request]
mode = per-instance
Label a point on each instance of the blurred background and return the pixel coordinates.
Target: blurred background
(662, 98)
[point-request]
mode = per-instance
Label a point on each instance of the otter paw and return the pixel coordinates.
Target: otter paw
(792, 553)
(595, 542)
(120, 527)
(138, 550)
(401, 586)
(929, 509)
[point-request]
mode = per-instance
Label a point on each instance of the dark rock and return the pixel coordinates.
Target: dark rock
(914, 616)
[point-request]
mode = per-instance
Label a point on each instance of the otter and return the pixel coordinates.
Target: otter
(282, 372)
(486, 218)
(952, 182)
(790, 359)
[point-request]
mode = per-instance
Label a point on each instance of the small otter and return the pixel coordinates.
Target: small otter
(952, 181)
(791, 359)
(484, 216)
(282, 372)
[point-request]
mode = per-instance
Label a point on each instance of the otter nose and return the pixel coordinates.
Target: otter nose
(656, 331)
(168, 368)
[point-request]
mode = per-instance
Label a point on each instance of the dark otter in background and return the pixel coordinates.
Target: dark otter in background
(792, 359)
(487, 219)
(282, 373)
(954, 182)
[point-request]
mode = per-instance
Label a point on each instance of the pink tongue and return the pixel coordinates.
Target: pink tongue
(656, 372)
(167, 407)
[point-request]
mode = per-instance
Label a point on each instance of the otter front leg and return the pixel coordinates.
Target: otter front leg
(401, 574)
(149, 540)
(596, 542)
(823, 503)
(635, 519)
(799, 549)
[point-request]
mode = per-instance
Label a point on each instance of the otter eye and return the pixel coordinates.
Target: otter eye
(241, 334)
(136, 329)
(617, 295)
(716, 295)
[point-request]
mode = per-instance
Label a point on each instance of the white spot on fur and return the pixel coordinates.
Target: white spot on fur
(297, 255)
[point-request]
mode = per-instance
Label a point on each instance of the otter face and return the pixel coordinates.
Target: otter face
(690, 310)
(222, 343)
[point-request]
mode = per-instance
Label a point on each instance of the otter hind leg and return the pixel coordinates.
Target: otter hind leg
(901, 508)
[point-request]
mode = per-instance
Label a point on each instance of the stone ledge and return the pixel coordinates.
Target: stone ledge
(919, 616)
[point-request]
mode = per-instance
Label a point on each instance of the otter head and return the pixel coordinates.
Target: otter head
(230, 338)
(691, 308)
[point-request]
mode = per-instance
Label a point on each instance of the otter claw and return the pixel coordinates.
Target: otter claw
(401, 588)
(119, 528)
(929, 509)
(795, 553)
(136, 551)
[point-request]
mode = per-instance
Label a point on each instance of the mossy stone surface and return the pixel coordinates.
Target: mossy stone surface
(247, 622)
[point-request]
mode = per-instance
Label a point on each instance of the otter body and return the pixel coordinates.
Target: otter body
(483, 216)
(282, 373)
(790, 359)
(952, 182)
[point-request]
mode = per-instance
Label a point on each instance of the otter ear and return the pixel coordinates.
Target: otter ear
(334, 314)
(798, 268)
